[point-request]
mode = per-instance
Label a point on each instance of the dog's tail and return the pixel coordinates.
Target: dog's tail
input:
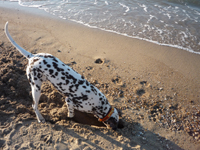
(21, 50)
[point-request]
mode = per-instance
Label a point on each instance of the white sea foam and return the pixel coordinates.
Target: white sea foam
(161, 22)
(126, 7)
(106, 2)
(144, 7)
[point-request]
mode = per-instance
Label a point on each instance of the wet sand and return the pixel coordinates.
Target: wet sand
(155, 87)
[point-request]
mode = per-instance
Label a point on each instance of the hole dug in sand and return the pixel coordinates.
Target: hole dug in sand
(80, 117)
(140, 92)
(89, 119)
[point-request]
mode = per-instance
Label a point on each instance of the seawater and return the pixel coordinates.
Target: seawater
(173, 23)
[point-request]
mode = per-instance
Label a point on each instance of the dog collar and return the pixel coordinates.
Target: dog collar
(108, 115)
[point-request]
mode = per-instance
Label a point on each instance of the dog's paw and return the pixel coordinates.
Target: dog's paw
(42, 120)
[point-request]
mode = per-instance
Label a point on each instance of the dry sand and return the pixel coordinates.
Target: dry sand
(156, 88)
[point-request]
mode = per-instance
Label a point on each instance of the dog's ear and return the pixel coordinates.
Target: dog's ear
(119, 112)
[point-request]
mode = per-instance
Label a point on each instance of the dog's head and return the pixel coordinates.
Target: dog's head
(113, 121)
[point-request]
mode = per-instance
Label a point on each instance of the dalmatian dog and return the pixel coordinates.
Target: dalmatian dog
(80, 94)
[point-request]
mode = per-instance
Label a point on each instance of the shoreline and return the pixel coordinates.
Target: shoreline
(130, 65)
(42, 12)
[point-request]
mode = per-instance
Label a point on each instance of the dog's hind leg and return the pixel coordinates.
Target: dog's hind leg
(36, 91)
(36, 96)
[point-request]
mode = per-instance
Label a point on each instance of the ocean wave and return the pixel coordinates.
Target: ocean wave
(172, 23)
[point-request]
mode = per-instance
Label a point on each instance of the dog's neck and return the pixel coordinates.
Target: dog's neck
(110, 112)
(102, 111)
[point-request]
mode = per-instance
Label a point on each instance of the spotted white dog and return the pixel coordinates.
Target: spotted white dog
(80, 94)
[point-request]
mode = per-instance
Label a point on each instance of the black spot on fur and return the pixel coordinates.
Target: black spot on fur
(34, 72)
(51, 71)
(48, 65)
(80, 82)
(56, 74)
(55, 65)
(93, 89)
(93, 109)
(39, 70)
(49, 56)
(71, 77)
(69, 94)
(78, 100)
(87, 83)
(45, 62)
(67, 82)
(54, 59)
(73, 88)
(38, 87)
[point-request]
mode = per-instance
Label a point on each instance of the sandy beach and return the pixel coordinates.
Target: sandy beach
(157, 88)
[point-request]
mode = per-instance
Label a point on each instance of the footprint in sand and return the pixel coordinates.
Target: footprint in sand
(99, 61)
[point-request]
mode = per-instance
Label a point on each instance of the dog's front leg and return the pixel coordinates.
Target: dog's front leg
(70, 106)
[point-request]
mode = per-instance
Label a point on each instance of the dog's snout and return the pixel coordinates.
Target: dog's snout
(114, 128)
